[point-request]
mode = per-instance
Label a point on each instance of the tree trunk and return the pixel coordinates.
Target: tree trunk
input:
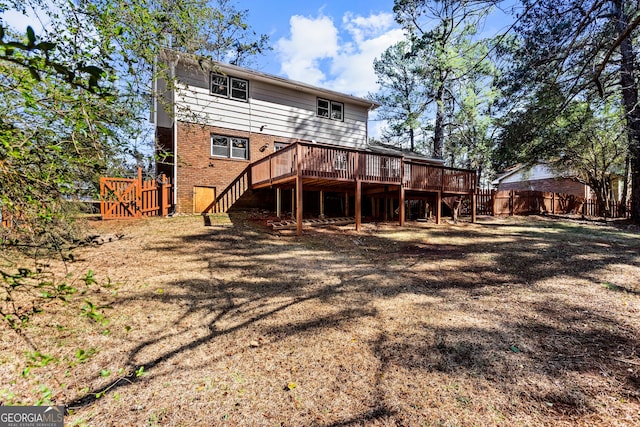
(625, 189)
(411, 138)
(601, 189)
(438, 132)
(630, 100)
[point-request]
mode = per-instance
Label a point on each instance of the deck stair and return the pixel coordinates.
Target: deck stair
(289, 224)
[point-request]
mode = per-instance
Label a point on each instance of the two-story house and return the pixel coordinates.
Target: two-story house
(232, 136)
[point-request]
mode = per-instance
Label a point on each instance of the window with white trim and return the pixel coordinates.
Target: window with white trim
(330, 109)
(229, 146)
(229, 87)
(239, 89)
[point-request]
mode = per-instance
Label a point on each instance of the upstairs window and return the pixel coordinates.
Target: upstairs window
(219, 85)
(229, 146)
(239, 89)
(229, 87)
(330, 109)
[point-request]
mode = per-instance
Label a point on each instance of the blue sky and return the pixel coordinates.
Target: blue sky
(332, 43)
(327, 43)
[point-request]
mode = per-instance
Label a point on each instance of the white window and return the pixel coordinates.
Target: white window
(239, 148)
(336, 111)
(279, 145)
(219, 85)
(330, 109)
(323, 107)
(239, 89)
(229, 146)
(229, 87)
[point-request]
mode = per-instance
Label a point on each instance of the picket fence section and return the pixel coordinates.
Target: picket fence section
(122, 198)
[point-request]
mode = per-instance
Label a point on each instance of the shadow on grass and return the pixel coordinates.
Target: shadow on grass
(255, 275)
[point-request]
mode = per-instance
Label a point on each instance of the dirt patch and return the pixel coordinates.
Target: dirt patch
(507, 322)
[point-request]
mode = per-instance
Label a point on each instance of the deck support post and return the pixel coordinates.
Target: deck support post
(321, 216)
(358, 205)
(474, 207)
(401, 207)
(438, 207)
(299, 191)
(299, 205)
(346, 204)
(401, 196)
(358, 198)
(293, 203)
(385, 205)
(278, 202)
(373, 206)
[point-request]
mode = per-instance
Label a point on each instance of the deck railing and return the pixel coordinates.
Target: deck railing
(343, 164)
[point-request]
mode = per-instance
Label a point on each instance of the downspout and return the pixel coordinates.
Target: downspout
(175, 137)
(154, 94)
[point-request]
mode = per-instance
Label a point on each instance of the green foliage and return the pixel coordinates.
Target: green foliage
(36, 56)
(435, 86)
(55, 135)
(140, 372)
(74, 100)
(88, 279)
(83, 355)
(27, 292)
(45, 396)
(401, 98)
(93, 312)
(572, 89)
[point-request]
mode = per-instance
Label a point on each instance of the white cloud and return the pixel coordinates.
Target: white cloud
(311, 41)
(319, 53)
(353, 71)
(372, 26)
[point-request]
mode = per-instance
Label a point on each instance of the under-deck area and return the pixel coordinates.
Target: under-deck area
(360, 174)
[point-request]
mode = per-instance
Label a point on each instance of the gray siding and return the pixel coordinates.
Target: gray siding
(163, 103)
(279, 111)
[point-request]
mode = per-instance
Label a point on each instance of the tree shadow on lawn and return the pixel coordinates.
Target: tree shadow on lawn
(256, 275)
(527, 358)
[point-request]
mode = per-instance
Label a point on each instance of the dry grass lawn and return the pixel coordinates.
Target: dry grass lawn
(514, 321)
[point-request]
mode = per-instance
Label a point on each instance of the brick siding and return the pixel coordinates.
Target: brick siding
(196, 166)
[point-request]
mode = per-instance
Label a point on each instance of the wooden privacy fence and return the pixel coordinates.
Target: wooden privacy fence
(518, 202)
(122, 198)
(5, 221)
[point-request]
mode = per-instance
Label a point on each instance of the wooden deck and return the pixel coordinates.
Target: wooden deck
(327, 165)
(331, 168)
